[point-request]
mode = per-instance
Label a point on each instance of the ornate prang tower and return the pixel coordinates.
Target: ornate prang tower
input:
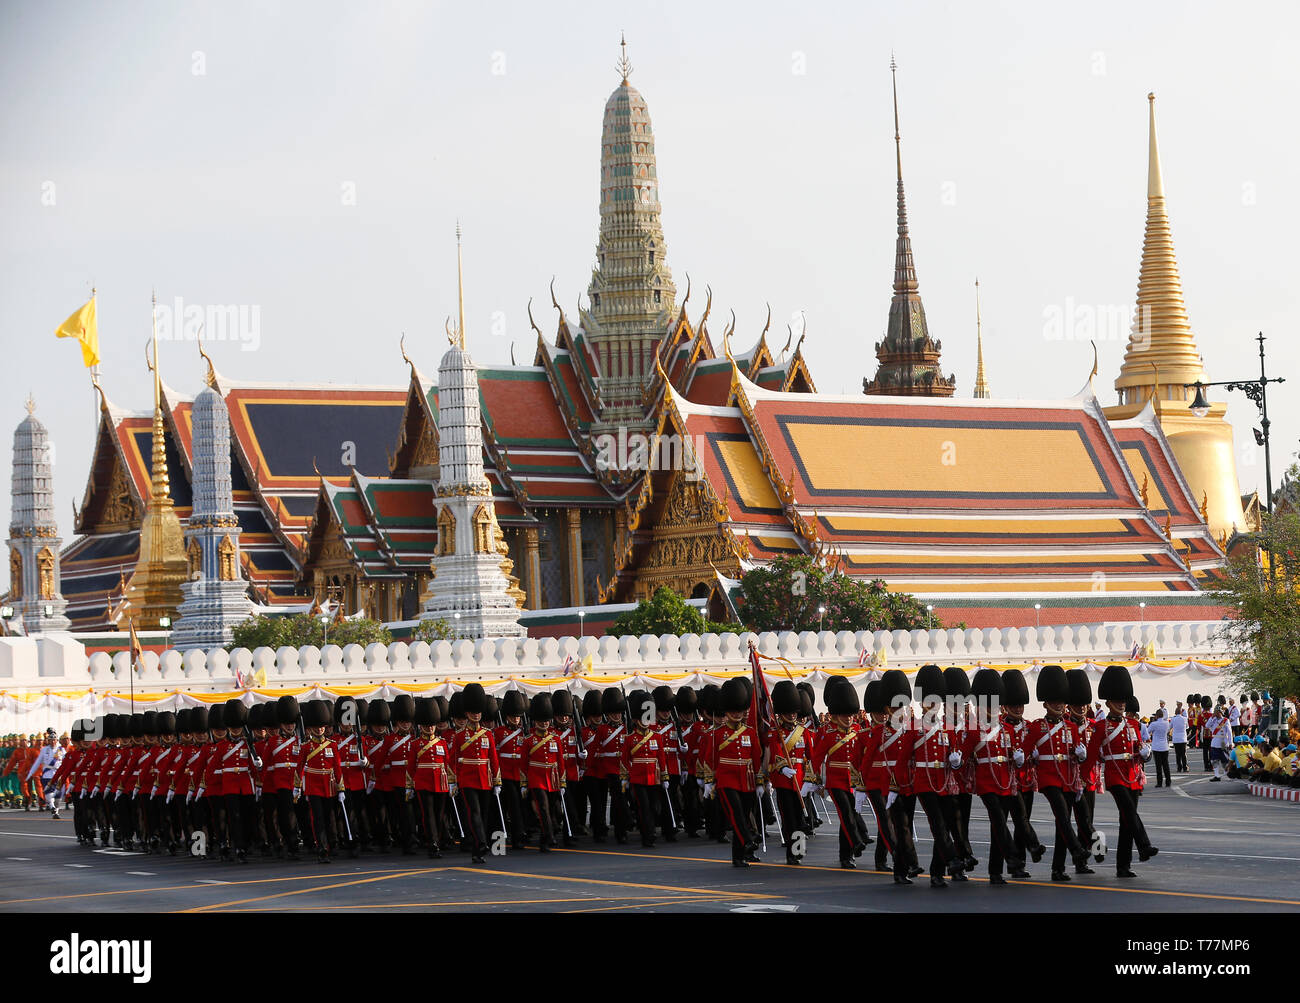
(908, 359)
(34, 534)
(154, 590)
(216, 597)
(632, 296)
(1162, 356)
(472, 588)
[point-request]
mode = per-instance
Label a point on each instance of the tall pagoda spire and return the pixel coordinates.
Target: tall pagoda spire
(981, 384)
(154, 590)
(34, 544)
(633, 299)
(1161, 337)
(908, 360)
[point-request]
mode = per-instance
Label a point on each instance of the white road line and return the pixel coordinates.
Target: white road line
(142, 874)
(212, 881)
(37, 835)
(18, 858)
(76, 865)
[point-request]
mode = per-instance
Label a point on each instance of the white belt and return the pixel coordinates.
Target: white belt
(880, 763)
(992, 759)
(1052, 759)
(1123, 755)
(937, 765)
(397, 762)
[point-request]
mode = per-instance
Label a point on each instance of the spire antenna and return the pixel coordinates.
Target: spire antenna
(898, 143)
(157, 380)
(981, 384)
(460, 291)
(623, 67)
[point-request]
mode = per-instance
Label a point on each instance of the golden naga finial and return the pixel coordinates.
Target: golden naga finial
(1169, 535)
(316, 468)
(789, 331)
(768, 324)
(532, 323)
(1146, 502)
(708, 305)
(401, 344)
(103, 398)
(554, 302)
(1093, 374)
(1205, 507)
(688, 293)
(30, 403)
(1155, 390)
(211, 378)
(726, 337)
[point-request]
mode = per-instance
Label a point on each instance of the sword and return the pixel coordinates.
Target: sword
(776, 806)
(500, 811)
(565, 809)
(456, 812)
(668, 800)
(346, 824)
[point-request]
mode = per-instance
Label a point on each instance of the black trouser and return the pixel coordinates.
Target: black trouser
(1002, 844)
(160, 820)
(270, 831)
(937, 813)
(670, 821)
(887, 842)
(476, 806)
(241, 816)
(124, 811)
(432, 805)
(790, 812)
(401, 810)
(739, 808)
(575, 798)
(1066, 839)
(961, 831)
(322, 823)
(378, 819)
(286, 818)
(544, 805)
(646, 799)
(1131, 829)
(354, 806)
(514, 805)
(900, 815)
(692, 805)
(1084, 809)
(1205, 754)
(850, 826)
(1026, 838)
(1180, 757)
(613, 792)
(1162, 769)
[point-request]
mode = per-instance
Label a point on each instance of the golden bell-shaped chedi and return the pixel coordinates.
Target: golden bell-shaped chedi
(1162, 357)
(154, 590)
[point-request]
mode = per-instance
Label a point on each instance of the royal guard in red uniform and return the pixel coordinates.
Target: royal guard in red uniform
(931, 752)
(240, 776)
(181, 776)
(166, 833)
(510, 738)
(1117, 745)
(1131, 711)
(957, 684)
(834, 760)
(392, 763)
(262, 724)
(430, 772)
(592, 784)
(545, 772)
(712, 718)
(478, 772)
(673, 740)
(209, 803)
(686, 707)
(101, 798)
(378, 718)
(568, 734)
(128, 822)
(1056, 748)
(873, 769)
(896, 691)
(320, 776)
(607, 751)
(643, 763)
(990, 748)
(349, 722)
(1015, 697)
(64, 774)
(281, 754)
(788, 752)
(737, 759)
(1084, 804)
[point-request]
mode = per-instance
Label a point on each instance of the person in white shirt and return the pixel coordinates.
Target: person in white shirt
(1158, 736)
(47, 763)
(1220, 727)
(1234, 717)
(1178, 737)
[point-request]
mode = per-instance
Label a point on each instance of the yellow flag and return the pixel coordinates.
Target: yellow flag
(83, 326)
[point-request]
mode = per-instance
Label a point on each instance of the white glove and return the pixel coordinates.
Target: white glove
(665, 785)
(343, 797)
(1080, 753)
(200, 793)
(365, 763)
(452, 789)
(582, 753)
(1035, 753)
(787, 772)
(954, 760)
(189, 796)
(1018, 757)
(889, 801)
(760, 787)
(708, 790)
(154, 792)
(370, 786)
(410, 794)
(1145, 752)
(497, 786)
(257, 793)
(257, 763)
(859, 801)
(96, 790)
(807, 789)
(170, 795)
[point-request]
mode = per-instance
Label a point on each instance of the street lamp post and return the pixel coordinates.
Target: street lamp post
(821, 615)
(325, 622)
(929, 616)
(582, 616)
(165, 622)
(1142, 612)
(1037, 606)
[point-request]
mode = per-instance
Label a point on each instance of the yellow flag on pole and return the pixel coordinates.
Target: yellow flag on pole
(83, 326)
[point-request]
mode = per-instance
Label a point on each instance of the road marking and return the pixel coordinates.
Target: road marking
(773, 907)
(456, 904)
(212, 881)
(142, 874)
(76, 865)
(685, 900)
(37, 835)
(317, 888)
(18, 858)
(712, 892)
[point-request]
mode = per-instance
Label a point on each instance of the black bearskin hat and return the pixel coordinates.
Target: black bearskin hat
(1015, 690)
(840, 696)
(686, 700)
(637, 702)
(236, 715)
(513, 704)
(426, 712)
(873, 699)
(1116, 683)
(785, 698)
(473, 699)
(987, 683)
(611, 701)
(287, 709)
(404, 707)
(1079, 687)
(663, 697)
(930, 682)
(542, 707)
(591, 703)
(735, 695)
(1052, 686)
(956, 681)
(561, 704)
(378, 714)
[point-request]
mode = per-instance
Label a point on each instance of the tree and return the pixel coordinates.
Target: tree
(302, 630)
(666, 613)
(1263, 636)
(431, 631)
(787, 593)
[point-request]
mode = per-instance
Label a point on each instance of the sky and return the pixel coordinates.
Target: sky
(307, 162)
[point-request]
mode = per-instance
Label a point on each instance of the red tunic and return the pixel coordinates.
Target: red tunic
(392, 761)
(130, 773)
(280, 761)
(235, 762)
(787, 747)
(112, 765)
(928, 749)
(835, 755)
(667, 732)
(989, 752)
(354, 775)
(373, 745)
(429, 764)
(737, 755)
(1086, 779)
(212, 782)
(510, 750)
(320, 769)
(1115, 745)
(873, 764)
(589, 743)
(544, 760)
(168, 766)
(474, 758)
(1026, 776)
(644, 760)
(66, 769)
(606, 751)
(569, 746)
(1051, 745)
(187, 757)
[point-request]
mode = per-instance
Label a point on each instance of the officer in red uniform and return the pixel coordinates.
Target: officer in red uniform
(393, 764)
(568, 734)
(1117, 744)
(1084, 803)
(673, 741)
(378, 717)
(834, 760)
(607, 751)
(788, 751)
(205, 797)
(510, 738)
(957, 684)
(1056, 748)
(643, 763)
(686, 707)
(101, 797)
(736, 760)
(166, 767)
(320, 776)
(592, 784)
(240, 774)
(546, 771)
(177, 795)
(989, 747)
(712, 717)
(430, 778)
(477, 770)
(282, 754)
(873, 768)
(124, 801)
(930, 752)
(1015, 697)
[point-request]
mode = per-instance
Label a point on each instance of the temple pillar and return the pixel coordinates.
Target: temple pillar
(532, 569)
(574, 517)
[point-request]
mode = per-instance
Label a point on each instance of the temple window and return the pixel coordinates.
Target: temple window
(446, 533)
(15, 575)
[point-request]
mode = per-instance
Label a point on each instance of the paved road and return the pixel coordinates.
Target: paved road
(1220, 853)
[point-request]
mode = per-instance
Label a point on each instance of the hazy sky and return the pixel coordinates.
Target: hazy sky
(310, 160)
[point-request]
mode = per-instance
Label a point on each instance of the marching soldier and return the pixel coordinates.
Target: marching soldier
(643, 763)
(710, 704)
(545, 772)
(45, 764)
(607, 750)
(240, 774)
(686, 704)
(320, 776)
(510, 738)
(737, 757)
(834, 759)
(378, 716)
(1016, 696)
(392, 765)
(957, 684)
(167, 764)
(574, 754)
(1056, 747)
(478, 771)
(990, 748)
(1117, 745)
(430, 783)
(788, 752)
(673, 742)
(282, 755)
(1079, 689)
(873, 768)
(593, 785)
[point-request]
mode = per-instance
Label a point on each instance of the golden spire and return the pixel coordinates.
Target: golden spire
(898, 143)
(31, 403)
(161, 486)
(981, 384)
(460, 292)
(624, 67)
(1161, 331)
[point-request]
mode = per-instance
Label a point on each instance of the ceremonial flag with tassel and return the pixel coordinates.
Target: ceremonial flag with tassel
(83, 326)
(761, 717)
(136, 648)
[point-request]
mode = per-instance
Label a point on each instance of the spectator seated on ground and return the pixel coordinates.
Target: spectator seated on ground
(1282, 766)
(1240, 757)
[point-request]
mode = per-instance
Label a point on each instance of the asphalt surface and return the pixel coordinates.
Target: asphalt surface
(1223, 853)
